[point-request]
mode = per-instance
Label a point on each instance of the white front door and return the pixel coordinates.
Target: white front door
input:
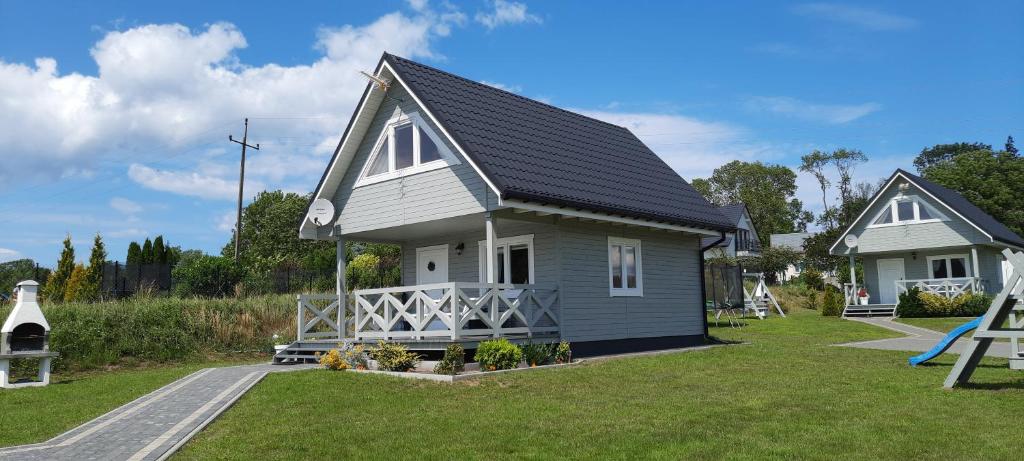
(432, 267)
(889, 271)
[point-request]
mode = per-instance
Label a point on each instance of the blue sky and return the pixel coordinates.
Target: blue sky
(114, 116)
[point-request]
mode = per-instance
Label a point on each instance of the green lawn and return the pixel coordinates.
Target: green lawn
(31, 415)
(940, 324)
(789, 394)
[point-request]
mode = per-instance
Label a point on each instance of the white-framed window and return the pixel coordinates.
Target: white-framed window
(625, 268)
(515, 260)
(949, 266)
(906, 210)
(406, 146)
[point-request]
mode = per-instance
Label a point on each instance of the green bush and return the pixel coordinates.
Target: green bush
(206, 276)
(394, 357)
(833, 303)
(812, 279)
(563, 354)
(910, 304)
(972, 305)
(498, 354)
(538, 354)
(453, 362)
(810, 300)
(937, 305)
(134, 330)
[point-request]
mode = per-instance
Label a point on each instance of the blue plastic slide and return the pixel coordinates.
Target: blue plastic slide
(946, 342)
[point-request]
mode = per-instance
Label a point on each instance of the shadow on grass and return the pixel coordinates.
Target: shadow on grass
(1019, 384)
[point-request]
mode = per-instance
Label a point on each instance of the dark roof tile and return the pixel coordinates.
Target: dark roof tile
(538, 152)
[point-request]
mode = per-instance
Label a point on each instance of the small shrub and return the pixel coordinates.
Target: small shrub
(937, 305)
(333, 360)
(910, 304)
(563, 354)
(972, 305)
(833, 303)
(355, 356)
(498, 354)
(810, 301)
(394, 357)
(453, 362)
(538, 354)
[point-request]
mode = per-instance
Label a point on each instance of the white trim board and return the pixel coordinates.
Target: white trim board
(507, 241)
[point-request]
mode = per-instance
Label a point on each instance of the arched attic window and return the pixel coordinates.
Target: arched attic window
(406, 146)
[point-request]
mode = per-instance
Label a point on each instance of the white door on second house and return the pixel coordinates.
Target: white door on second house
(889, 271)
(432, 267)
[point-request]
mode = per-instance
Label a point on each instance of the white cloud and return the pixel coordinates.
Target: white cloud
(164, 89)
(7, 254)
(825, 113)
(693, 147)
(502, 86)
(188, 183)
(130, 232)
(506, 12)
(125, 206)
(226, 222)
(858, 16)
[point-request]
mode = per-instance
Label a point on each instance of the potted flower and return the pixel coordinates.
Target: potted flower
(862, 294)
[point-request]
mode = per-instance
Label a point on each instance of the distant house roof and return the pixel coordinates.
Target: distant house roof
(732, 214)
(984, 222)
(793, 241)
(536, 152)
(997, 230)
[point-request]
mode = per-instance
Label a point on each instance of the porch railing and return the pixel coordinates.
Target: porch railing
(455, 310)
(451, 310)
(949, 288)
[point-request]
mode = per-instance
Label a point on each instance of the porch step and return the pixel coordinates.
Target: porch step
(871, 310)
(303, 351)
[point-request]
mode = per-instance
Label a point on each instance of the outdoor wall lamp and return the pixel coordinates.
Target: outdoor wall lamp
(458, 248)
(914, 255)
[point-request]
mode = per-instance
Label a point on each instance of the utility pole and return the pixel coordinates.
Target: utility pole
(241, 181)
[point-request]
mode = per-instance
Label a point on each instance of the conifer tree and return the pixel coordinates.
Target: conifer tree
(147, 251)
(134, 254)
(77, 288)
(1009, 145)
(94, 274)
(57, 282)
(159, 251)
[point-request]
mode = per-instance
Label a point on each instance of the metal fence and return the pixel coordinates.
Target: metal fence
(124, 280)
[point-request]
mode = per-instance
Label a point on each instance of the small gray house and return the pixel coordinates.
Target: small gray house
(742, 243)
(915, 233)
(516, 219)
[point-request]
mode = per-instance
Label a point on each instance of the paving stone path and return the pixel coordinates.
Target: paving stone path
(919, 339)
(155, 425)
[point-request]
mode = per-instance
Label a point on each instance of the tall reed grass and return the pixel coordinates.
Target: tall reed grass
(140, 329)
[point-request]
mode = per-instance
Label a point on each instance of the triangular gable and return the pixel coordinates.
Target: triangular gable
(357, 130)
(890, 183)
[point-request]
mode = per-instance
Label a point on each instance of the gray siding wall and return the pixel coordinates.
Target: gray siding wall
(954, 232)
(671, 304)
(575, 256)
(427, 196)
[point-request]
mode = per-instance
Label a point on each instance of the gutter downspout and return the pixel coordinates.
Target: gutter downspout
(703, 289)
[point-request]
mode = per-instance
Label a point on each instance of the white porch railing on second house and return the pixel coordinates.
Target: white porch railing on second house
(950, 288)
(455, 310)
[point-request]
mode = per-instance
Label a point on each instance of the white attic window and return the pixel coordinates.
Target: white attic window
(906, 209)
(406, 146)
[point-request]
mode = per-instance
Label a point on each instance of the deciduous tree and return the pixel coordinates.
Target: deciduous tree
(941, 153)
(993, 181)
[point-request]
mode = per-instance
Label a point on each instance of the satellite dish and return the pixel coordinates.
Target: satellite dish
(851, 241)
(321, 212)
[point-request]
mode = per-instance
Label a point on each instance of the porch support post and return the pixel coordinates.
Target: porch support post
(340, 286)
(492, 248)
(975, 271)
(853, 280)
